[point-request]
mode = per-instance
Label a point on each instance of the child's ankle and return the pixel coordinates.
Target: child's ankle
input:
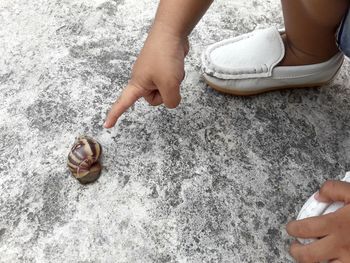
(297, 57)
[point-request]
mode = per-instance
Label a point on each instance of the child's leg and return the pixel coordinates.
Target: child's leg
(311, 26)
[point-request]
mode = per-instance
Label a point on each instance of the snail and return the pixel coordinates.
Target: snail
(83, 159)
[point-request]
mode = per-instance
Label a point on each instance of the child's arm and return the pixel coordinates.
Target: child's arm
(333, 228)
(159, 69)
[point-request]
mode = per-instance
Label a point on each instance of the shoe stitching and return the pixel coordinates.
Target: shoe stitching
(251, 72)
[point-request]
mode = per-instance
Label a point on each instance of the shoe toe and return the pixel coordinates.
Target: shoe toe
(250, 55)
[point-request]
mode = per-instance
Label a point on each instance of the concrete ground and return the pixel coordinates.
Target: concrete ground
(215, 180)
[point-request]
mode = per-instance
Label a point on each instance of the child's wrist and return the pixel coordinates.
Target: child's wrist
(162, 29)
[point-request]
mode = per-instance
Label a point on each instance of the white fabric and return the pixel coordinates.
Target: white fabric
(250, 55)
(312, 207)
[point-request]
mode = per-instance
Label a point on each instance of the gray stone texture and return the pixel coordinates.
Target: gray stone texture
(215, 180)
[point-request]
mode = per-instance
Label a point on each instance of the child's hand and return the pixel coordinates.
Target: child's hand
(333, 230)
(159, 69)
(156, 76)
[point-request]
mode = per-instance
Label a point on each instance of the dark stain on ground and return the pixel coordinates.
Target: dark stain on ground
(54, 210)
(111, 7)
(2, 232)
(52, 113)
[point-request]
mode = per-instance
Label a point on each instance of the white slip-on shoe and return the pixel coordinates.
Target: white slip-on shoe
(247, 65)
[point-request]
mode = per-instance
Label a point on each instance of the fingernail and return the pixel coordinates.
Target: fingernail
(105, 125)
(317, 196)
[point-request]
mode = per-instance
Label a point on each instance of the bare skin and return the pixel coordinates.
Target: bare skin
(310, 38)
(158, 72)
(159, 69)
(332, 229)
(311, 27)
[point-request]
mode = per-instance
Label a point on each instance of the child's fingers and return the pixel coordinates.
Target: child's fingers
(154, 98)
(311, 227)
(169, 89)
(318, 251)
(128, 97)
(334, 191)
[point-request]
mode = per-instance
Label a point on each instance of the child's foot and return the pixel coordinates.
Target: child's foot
(297, 57)
(264, 60)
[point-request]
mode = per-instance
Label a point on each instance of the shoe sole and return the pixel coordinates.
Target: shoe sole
(252, 93)
(257, 92)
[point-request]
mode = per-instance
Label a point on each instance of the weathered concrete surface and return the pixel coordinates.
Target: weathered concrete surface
(215, 180)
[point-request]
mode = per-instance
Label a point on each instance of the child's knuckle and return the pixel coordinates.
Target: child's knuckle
(305, 257)
(171, 82)
(327, 187)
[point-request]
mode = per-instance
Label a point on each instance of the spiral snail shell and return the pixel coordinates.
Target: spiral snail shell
(83, 159)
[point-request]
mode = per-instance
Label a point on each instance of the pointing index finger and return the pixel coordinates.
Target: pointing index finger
(127, 98)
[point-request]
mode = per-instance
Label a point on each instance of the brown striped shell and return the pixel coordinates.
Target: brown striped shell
(83, 159)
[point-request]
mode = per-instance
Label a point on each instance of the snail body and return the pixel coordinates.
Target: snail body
(83, 159)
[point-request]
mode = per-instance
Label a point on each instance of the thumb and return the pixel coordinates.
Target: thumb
(334, 191)
(128, 97)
